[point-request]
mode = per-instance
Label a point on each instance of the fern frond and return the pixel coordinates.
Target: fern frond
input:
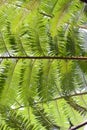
(44, 118)
(8, 90)
(77, 107)
(14, 120)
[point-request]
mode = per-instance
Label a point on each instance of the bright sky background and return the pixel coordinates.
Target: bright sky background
(85, 128)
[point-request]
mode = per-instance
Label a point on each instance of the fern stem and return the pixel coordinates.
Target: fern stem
(78, 126)
(58, 98)
(45, 57)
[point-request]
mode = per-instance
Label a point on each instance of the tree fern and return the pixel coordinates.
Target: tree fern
(42, 93)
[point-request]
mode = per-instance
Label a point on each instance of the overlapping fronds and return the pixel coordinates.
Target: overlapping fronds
(42, 94)
(26, 32)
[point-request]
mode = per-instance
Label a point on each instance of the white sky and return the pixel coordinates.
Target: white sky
(85, 128)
